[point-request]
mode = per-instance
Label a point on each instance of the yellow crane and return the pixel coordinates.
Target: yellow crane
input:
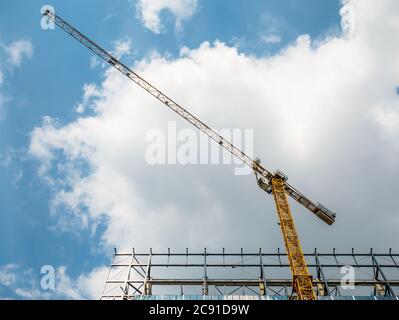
(274, 183)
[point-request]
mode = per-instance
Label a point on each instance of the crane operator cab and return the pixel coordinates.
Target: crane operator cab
(264, 185)
(262, 182)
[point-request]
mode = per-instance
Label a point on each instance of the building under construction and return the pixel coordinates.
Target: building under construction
(247, 275)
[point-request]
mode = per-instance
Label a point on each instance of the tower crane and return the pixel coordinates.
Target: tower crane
(274, 183)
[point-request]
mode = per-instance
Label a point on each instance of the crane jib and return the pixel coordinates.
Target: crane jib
(319, 210)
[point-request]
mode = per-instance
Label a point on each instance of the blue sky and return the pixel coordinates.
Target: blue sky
(49, 83)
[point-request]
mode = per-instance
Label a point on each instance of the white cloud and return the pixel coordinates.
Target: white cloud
(122, 47)
(348, 21)
(271, 38)
(17, 177)
(90, 92)
(272, 26)
(2, 98)
(150, 10)
(3, 101)
(16, 52)
(94, 62)
(7, 276)
(86, 286)
(388, 119)
(18, 281)
(19, 50)
(313, 109)
(91, 285)
(25, 284)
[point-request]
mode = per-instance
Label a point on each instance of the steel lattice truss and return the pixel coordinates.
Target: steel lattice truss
(134, 275)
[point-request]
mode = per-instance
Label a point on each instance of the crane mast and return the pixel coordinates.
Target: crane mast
(272, 182)
(301, 278)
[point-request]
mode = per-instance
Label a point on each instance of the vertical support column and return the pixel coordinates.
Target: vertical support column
(126, 284)
(393, 260)
(109, 273)
(262, 282)
(205, 283)
(388, 291)
(322, 288)
(147, 291)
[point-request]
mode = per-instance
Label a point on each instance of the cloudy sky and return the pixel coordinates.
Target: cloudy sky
(318, 83)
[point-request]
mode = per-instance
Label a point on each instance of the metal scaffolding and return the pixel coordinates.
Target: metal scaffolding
(259, 275)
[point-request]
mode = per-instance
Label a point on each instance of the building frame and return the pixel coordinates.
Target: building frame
(135, 275)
